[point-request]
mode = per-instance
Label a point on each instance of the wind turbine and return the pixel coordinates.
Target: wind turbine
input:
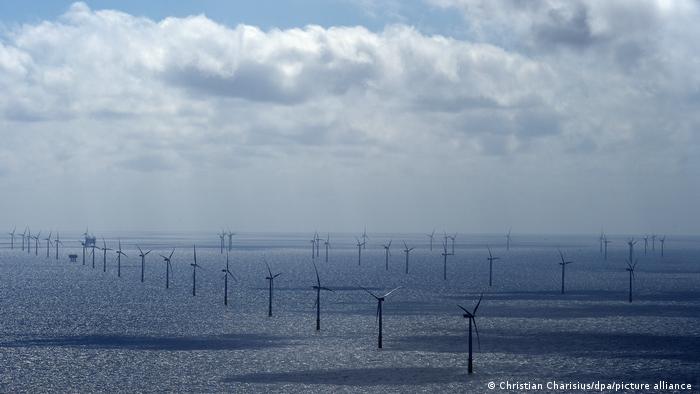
(313, 248)
(270, 278)
(364, 238)
(230, 239)
(601, 239)
(194, 271)
(222, 236)
(227, 273)
(57, 242)
(82, 243)
(119, 259)
(360, 246)
(406, 250)
(653, 242)
(318, 289)
(143, 260)
(168, 267)
(646, 243)
(431, 236)
(444, 260)
(453, 238)
(471, 317)
(380, 302)
(631, 242)
(48, 243)
(24, 234)
(327, 243)
(12, 238)
(662, 240)
(92, 250)
(563, 269)
(630, 268)
(104, 250)
(491, 259)
(36, 244)
(606, 242)
(387, 254)
(508, 239)
(318, 244)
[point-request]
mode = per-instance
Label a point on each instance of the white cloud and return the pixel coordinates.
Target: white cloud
(586, 85)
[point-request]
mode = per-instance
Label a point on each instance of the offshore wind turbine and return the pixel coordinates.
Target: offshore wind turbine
(12, 237)
(168, 267)
(313, 247)
(48, 244)
(380, 302)
(222, 236)
(271, 279)
(663, 241)
(143, 260)
(24, 234)
(606, 242)
(630, 268)
(327, 243)
(563, 264)
(92, 247)
(406, 250)
(119, 259)
(601, 239)
(631, 242)
(318, 289)
(387, 253)
(230, 239)
(57, 242)
(453, 238)
(364, 238)
(318, 244)
(431, 236)
(653, 242)
(508, 239)
(36, 243)
(227, 273)
(194, 271)
(29, 241)
(646, 243)
(104, 250)
(470, 316)
(491, 259)
(360, 246)
(444, 260)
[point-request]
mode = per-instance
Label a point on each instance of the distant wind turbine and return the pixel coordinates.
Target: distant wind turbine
(24, 234)
(318, 244)
(508, 239)
(57, 242)
(606, 242)
(222, 236)
(48, 244)
(313, 247)
(563, 264)
(631, 242)
(194, 270)
(444, 260)
(601, 239)
(471, 317)
(119, 259)
(12, 238)
(327, 243)
(630, 268)
(271, 279)
(364, 238)
(318, 289)
(143, 261)
(663, 241)
(168, 267)
(227, 273)
(646, 243)
(104, 250)
(380, 302)
(406, 250)
(431, 236)
(36, 243)
(653, 242)
(387, 253)
(230, 239)
(453, 238)
(491, 259)
(360, 246)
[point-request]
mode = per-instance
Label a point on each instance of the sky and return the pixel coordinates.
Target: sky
(469, 116)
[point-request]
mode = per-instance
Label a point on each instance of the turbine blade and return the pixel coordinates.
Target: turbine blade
(370, 293)
(387, 294)
(478, 303)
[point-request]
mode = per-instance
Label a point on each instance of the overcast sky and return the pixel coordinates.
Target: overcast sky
(463, 115)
